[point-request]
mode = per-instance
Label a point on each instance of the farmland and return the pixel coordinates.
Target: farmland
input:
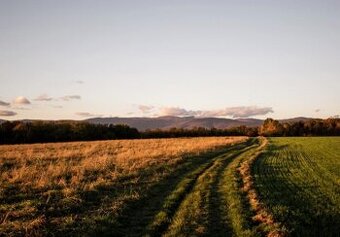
(299, 180)
(82, 187)
(217, 186)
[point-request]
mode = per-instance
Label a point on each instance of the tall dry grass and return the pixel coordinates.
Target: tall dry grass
(42, 178)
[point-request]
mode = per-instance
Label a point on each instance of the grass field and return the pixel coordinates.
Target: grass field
(172, 187)
(299, 181)
(82, 188)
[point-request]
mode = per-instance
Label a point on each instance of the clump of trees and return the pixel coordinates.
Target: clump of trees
(271, 128)
(41, 131)
(311, 127)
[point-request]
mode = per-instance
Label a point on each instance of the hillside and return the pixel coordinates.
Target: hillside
(166, 122)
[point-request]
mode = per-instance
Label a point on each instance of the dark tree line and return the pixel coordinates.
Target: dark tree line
(200, 132)
(42, 131)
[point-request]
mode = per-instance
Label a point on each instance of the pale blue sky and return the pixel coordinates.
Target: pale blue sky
(191, 55)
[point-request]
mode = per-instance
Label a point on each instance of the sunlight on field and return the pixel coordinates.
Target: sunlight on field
(43, 185)
(234, 186)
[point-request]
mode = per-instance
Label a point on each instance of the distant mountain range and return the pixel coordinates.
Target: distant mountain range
(166, 122)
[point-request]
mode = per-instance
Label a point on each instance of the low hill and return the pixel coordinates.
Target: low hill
(166, 122)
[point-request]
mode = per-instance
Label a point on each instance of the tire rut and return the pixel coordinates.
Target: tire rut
(154, 214)
(169, 211)
(209, 222)
(136, 219)
(220, 225)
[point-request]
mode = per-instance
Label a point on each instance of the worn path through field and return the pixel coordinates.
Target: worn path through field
(202, 198)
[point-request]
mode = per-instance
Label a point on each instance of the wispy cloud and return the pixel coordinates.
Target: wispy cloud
(70, 97)
(7, 113)
(20, 108)
(145, 109)
(87, 114)
(21, 100)
(234, 112)
(57, 106)
(43, 97)
(3, 103)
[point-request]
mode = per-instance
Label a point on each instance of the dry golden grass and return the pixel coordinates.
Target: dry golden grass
(68, 164)
(42, 184)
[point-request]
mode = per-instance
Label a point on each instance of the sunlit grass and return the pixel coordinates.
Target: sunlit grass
(66, 187)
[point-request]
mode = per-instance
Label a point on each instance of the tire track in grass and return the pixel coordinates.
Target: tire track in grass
(138, 219)
(186, 210)
(236, 207)
(220, 201)
(219, 224)
(219, 219)
(200, 211)
(191, 216)
(164, 217)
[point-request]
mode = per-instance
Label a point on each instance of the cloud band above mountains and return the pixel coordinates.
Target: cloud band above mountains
(234, 112)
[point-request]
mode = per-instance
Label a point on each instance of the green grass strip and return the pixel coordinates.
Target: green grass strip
(236, 206)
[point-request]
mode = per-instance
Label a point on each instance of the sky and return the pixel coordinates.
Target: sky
(235, 59)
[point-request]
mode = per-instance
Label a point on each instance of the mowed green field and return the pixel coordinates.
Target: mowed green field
(299, 181)
(232, 187)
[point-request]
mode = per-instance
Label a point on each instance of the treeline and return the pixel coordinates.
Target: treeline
(41, 131)
(269, 128)
(200, 132)
(18, 132)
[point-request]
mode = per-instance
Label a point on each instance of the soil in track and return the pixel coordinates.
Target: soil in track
(187, 203)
